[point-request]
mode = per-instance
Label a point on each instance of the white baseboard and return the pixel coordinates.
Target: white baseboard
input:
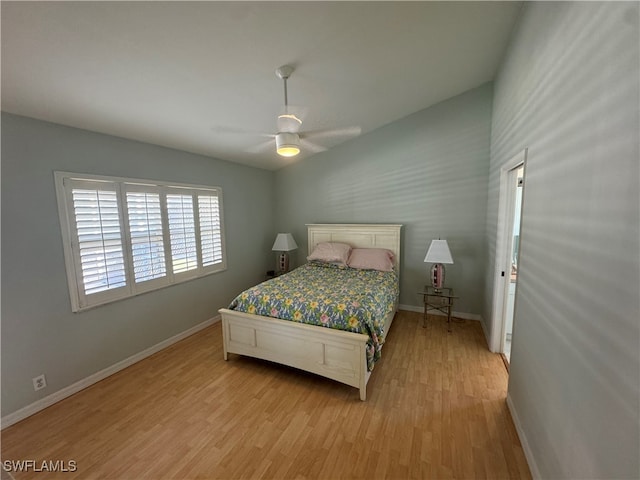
(486, 336)
(55, 397)
(461, 315)
(528, 453)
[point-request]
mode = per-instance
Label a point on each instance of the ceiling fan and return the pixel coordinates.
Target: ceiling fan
(289, 139)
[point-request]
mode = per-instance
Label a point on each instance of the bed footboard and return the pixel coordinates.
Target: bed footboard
(333, 354)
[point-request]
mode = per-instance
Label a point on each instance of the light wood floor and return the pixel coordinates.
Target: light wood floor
(435, 409)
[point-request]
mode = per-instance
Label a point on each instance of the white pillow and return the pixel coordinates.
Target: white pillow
(371, 259)
(330, 252)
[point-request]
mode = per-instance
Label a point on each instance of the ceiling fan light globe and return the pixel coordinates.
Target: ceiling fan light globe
(287, 144)
(288, 151)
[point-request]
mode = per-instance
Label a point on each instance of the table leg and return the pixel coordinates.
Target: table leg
(424, 317)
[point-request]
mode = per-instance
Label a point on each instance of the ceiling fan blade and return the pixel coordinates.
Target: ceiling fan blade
(311, 147)
(263, 147)
(239, 131)
(337, 132)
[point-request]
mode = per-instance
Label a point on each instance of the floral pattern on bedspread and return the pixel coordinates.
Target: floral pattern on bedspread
(329, 296)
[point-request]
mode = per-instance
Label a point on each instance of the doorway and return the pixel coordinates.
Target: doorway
(515, 182)
(507, 254)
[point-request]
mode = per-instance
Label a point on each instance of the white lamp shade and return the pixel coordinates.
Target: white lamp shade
(438, 252)
(284, 243)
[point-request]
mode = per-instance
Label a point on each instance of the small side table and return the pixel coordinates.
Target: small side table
(441, 300)
(271, 274)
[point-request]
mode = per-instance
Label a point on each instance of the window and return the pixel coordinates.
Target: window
(123, 237)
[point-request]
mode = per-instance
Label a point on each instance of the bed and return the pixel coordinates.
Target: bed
(345, 356)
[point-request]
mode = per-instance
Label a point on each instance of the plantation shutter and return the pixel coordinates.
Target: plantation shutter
(182, 232)
(146, 234)
(97, 240)
(210, 229)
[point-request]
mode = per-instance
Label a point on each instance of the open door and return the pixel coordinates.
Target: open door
(507, 254)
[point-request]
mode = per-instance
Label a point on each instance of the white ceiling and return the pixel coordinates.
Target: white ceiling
(181, 74)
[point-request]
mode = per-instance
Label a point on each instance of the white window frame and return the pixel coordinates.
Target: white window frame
(66, 181)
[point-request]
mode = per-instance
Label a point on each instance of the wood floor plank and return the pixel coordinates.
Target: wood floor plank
(436, 409)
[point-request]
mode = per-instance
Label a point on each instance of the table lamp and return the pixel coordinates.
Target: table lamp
(284, 243)
(438, 254)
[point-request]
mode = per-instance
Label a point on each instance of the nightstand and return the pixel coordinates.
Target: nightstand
(271, 274)
(440, 300)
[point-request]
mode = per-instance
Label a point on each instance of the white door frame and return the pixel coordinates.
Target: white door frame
(501, 257)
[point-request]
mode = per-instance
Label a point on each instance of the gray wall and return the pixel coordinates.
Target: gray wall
(428, 171)
(39, 332)
(569, 90)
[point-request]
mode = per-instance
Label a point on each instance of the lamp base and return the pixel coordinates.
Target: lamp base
(437, 277)
(283, 262)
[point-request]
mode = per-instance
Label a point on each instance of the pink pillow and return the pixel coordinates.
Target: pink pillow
(371, 259)
(330, 252)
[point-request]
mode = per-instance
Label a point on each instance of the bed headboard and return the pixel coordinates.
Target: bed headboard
(358, 236)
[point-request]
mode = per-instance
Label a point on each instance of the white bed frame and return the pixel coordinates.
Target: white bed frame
(333, 354)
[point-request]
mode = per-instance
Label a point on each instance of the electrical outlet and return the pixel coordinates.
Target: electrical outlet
(39, 382)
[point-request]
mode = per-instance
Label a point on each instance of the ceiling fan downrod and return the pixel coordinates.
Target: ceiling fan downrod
(287, 143)
(283, 73)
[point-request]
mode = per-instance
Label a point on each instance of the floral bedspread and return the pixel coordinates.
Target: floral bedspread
(329, 296)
